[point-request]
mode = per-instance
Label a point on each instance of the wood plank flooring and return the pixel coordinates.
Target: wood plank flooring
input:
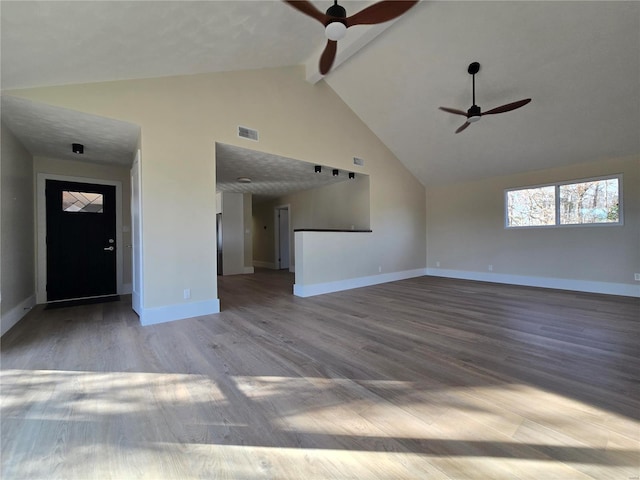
(426, 378)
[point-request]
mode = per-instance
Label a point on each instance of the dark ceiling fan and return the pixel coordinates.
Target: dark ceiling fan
(474, 113)
(336, 21)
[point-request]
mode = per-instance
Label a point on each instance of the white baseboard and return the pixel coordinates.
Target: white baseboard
(248, 270)
(169, 313)
(127, 289)
(607, 288)
(340, 285)
(14, 315)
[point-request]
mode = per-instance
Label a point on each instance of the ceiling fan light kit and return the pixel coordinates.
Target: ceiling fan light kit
(475, 112)
(335, 31)
(336, 22)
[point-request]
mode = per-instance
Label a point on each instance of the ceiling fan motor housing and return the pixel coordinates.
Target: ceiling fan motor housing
(474, 113)
(337, 11)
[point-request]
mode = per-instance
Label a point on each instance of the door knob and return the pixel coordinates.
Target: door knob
(109, 249)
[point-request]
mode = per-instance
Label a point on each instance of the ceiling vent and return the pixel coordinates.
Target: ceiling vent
(249, 133)
(358, 161)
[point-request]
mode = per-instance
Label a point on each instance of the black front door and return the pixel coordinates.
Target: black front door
(81, 240)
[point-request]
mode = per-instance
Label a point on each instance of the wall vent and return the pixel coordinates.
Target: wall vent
(249, 133)
(358, 161)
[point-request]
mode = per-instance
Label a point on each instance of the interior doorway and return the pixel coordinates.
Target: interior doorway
(283, 235)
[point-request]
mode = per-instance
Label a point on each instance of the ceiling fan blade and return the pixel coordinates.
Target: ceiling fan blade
(454, 110)
(508, 107)
(328, 56)
(462, 127)
(308, 8)
(380, 12)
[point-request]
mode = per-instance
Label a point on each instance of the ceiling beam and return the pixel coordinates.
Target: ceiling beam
(357, 38)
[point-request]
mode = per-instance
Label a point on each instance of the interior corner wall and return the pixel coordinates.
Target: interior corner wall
(17, 239)
(466, 235)
(181, 119)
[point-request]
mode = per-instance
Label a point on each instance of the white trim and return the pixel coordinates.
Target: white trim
(16, 314)
(137, 247)
(340, 285)
(606, 288)
(169, 313)
(248, 270)
(41, 229)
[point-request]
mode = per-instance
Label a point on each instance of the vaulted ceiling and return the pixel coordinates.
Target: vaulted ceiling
(578, 61)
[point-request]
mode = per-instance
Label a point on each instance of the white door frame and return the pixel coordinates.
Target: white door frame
(137, 252)
(41, 229)
(277, 235)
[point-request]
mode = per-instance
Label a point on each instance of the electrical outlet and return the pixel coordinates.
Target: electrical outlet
(186, 294)
(438, 264)
(636, 277)
(490, 267)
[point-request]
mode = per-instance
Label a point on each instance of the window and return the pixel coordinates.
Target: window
(593, 201)
(82, 202)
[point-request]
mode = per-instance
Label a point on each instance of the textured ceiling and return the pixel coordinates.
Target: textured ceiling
(49, 131)
(90, 41)
(578, 61)
(271, 175)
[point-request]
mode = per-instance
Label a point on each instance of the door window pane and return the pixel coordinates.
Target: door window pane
(82, 202)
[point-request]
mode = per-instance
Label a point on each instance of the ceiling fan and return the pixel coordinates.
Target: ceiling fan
(474, 113)
(336, 22)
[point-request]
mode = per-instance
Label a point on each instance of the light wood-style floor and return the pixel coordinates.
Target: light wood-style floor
(425, 378)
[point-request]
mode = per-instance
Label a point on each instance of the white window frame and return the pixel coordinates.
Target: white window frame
(557, 186)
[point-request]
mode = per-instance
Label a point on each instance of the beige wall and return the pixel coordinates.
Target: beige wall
(182, 118)
(339, 206)
(465, 230)
(72, 168)
(17, 244)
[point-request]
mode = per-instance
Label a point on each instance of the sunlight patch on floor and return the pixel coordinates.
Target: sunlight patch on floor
(83, 395)
(418, 411)
(150, 425)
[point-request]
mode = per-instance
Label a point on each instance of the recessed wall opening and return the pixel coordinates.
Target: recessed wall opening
(311, 195)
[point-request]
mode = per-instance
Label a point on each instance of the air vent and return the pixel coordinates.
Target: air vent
(358, 161)
(249, 133)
